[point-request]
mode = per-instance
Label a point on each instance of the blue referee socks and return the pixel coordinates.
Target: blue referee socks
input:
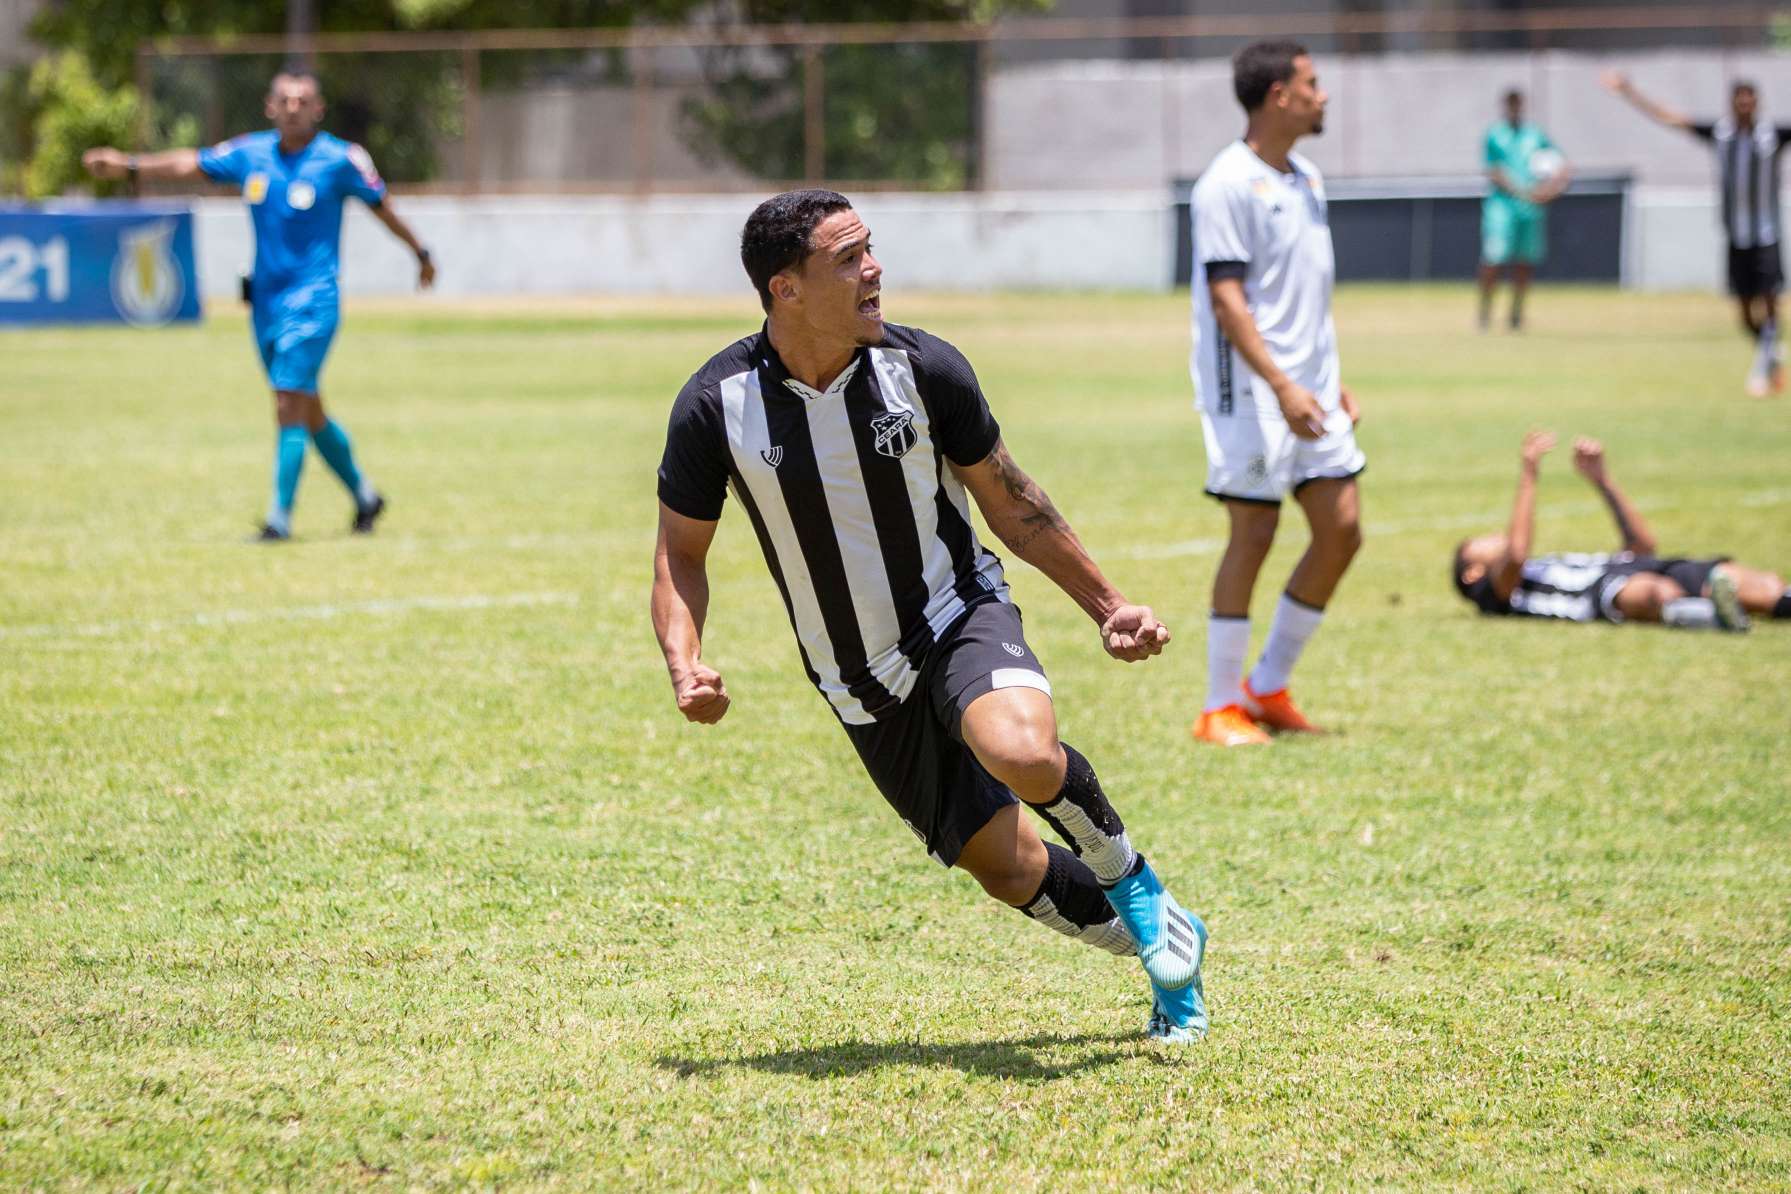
(332, 444)
(289, 461)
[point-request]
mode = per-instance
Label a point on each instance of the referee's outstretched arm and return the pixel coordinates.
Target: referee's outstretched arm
(1021, 515)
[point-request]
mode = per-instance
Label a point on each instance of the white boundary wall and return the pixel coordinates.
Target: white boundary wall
(690, 244)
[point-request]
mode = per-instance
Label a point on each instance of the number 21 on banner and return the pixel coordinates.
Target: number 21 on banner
(20, 260)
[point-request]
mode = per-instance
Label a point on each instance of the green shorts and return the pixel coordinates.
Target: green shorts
(1512, 234)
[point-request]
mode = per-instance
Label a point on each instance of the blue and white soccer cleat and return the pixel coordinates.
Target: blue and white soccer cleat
(1179, 1017)
(1171, 940)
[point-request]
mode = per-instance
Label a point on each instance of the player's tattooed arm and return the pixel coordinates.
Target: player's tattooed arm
(1028, 502)
(1588, 459)
(1022, 515)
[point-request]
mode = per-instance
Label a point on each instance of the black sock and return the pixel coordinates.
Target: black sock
(1071, 901)
(1083, 817)
(1783, 608)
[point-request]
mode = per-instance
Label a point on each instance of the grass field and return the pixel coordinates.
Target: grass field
(388, 862)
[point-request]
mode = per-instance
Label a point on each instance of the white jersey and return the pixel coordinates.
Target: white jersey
(1269, 229)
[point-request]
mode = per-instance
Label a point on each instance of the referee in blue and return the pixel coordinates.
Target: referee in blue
(295, 179)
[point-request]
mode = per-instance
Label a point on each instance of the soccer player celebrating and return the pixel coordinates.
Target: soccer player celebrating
(1273, 411)
(1500, 576)
(295, 179)
(1747, 158)
(850, 445)
(1527, 172)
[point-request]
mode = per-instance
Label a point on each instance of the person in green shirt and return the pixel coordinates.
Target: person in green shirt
(1527, 172)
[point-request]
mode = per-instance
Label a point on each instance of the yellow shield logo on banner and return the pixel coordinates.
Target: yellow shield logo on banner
(146, 286)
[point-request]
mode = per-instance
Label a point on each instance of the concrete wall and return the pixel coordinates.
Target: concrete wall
(1120, 240)
(15, 15)
(1121, 125)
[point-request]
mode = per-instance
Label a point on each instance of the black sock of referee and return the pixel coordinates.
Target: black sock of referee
(1082, 816)
(1783, 609)
(1072, 902)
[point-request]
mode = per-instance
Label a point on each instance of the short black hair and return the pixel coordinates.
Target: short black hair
(777, 234)
(1514, 96)
(1461, 568)
(1259, 66)
(1741, 85)
(295, 72)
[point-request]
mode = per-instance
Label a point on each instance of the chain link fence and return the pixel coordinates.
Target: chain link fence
(861, 107)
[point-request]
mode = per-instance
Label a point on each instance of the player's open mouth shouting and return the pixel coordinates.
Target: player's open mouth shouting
(871, 305)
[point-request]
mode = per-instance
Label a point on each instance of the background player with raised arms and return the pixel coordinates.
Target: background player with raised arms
(850, 445)
(1747, 161)
(295, 179)
(1273, 410)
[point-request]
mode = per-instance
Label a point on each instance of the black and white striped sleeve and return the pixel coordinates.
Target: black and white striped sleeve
(693, 472)
(963, 425)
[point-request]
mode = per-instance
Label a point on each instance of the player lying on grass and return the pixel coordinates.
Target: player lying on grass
(850, 444)
(1498, 573)
(295, 179)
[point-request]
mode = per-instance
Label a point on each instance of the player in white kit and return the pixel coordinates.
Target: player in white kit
(1274, 413)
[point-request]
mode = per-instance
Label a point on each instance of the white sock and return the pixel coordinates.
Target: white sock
(1767, 353)
(1227, 643)
(279, 518)
(1294, 623)
(366, 493)
(1689, 613)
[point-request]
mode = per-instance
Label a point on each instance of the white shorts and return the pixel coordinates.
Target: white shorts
(1254, 456)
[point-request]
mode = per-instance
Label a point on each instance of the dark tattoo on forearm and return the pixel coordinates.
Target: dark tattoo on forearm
(1024, 491)
(1624, 528)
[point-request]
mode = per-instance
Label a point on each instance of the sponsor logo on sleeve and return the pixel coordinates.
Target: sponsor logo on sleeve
(363, 162)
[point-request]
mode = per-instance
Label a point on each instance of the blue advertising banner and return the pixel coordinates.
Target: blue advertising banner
(101, 262)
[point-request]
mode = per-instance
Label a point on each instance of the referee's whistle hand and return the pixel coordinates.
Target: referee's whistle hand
(702, 697)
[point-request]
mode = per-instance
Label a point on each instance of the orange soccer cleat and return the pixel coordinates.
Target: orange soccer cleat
(1229, 726)
(1277, 711)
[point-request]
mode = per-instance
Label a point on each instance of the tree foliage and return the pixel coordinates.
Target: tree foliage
(890, 112)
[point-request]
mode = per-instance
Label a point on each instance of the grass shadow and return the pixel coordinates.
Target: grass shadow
(1017, 1059)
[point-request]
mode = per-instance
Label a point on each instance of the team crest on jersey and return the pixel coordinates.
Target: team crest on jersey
(773, 456)
(146, 287)
(894, 432)
(255, 188)
(300, 195)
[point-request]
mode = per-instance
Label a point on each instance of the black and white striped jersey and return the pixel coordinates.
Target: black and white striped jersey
(1747, 162)
(1571, 586)
(866, 531)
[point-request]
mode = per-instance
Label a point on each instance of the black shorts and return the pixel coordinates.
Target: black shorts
(1691, 575)
(1755, 271)
(917, 757)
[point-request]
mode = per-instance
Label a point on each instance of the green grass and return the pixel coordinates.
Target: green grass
(388, 862)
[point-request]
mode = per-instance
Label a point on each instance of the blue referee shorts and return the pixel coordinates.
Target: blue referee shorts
(293, 331)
